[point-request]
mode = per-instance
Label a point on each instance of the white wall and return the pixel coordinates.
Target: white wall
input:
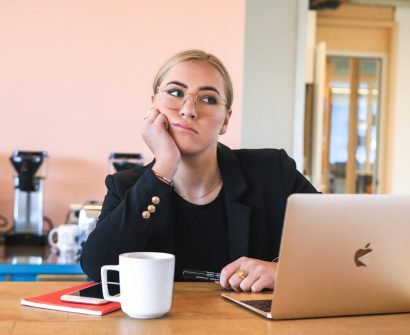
(401, 134)
(274, 75)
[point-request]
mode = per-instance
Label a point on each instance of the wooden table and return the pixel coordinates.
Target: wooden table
(197, 309)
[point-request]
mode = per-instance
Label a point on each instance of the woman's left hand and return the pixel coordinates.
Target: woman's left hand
(255, 276)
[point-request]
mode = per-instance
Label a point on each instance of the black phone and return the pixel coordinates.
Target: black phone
(92, 294)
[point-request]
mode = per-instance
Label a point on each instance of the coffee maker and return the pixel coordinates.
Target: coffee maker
(122, 161)
(28, 213)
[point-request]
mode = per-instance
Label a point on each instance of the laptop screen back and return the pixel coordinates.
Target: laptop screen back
(344, 255)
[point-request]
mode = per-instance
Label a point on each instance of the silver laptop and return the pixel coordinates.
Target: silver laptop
(340, 255)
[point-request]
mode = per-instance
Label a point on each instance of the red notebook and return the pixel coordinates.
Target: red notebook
(52, 301)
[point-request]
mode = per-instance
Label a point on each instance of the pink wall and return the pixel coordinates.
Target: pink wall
(75, 80)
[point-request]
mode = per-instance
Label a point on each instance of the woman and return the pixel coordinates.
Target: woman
(213, 207)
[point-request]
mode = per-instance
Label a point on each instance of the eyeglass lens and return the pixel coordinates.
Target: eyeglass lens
(206, 103)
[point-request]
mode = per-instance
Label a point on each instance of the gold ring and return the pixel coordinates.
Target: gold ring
(241, 273)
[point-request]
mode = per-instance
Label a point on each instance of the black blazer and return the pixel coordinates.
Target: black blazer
(257, 184)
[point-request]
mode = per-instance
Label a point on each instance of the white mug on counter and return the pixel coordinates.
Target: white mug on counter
(146, 283)
(64, 238)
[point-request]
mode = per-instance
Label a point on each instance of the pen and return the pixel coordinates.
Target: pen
(199, 274)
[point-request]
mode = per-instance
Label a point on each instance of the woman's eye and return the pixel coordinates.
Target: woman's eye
(209, 100)
(176, 93)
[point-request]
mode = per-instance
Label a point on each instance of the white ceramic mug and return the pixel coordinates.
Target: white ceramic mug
(64, 238)
(146, 283)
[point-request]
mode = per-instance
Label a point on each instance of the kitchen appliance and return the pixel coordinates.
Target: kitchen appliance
(122, 161)
(87, 220)
(28, 213)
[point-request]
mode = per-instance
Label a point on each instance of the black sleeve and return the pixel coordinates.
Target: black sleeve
(121, 227)
(294, 181)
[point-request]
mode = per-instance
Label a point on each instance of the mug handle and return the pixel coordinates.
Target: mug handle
(50, 237)
(106, 294)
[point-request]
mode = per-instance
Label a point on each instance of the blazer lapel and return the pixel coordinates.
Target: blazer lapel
(238, 215)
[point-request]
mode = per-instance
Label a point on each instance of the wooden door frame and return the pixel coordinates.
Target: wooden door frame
(384, 137)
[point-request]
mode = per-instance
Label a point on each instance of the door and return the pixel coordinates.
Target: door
(351, 125)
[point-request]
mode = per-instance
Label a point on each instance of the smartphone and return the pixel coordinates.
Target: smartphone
(91, 294)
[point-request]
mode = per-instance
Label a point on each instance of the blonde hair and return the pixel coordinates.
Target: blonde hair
(197, 55)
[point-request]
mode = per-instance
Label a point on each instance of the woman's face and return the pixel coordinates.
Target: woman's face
(200, 88)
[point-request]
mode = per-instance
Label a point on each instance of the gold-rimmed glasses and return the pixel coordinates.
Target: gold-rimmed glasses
(207, 102)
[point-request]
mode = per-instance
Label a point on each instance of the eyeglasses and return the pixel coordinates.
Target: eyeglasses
(206, 103)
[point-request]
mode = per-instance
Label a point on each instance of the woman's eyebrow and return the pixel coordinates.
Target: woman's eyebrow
(208, 88)
(177, 83)
(201, 88)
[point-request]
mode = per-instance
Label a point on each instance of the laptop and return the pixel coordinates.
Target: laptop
(340, 255)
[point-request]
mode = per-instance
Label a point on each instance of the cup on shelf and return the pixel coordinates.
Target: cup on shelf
(65, 238)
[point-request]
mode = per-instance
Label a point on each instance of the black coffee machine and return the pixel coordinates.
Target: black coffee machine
(122, 161)
(28, 212)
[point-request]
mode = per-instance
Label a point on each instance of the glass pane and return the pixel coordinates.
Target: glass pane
(367, 126)
(352, 124)
(339, 98)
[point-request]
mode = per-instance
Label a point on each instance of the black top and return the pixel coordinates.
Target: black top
(202, 238)
(256, 186)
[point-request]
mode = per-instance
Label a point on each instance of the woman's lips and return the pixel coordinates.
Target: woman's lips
(184, 128)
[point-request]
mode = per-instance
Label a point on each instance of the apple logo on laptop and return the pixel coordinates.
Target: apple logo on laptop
(360, 258)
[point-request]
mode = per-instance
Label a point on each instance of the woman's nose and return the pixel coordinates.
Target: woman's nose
(189, 108)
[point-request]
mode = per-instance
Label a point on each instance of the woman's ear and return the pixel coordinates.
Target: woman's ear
(225, 124)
